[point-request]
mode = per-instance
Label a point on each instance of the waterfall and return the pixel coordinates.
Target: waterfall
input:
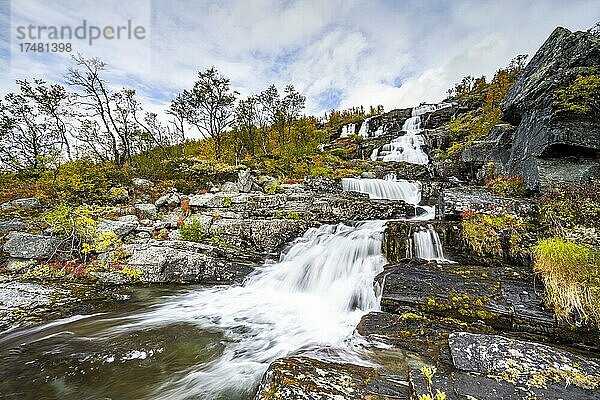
(314, 296)
(347, 130)
(426, 244)
(408, 147)
(388, 188)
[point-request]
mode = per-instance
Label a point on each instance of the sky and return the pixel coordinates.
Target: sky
(338, 53)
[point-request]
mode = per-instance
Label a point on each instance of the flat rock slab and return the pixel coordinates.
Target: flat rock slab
(188, 262)
(521, 362)
(424, 335)
(304, 378)
(501, 297)
(494, 367)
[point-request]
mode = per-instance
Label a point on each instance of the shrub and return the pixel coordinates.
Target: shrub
(273, 188)
(571, 275)
(566, 207)
(581, 97)
(486, 234)
(192, 231)
(506, 185)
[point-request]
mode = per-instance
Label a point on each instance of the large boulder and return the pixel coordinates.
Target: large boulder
(549, 149)
(121, 227)
(188, 262)
(30, 246)
(299, 377)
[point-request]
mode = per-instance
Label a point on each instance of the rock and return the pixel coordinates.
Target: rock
(549, 149)
(30, 246)
(265, 181)
(423, 334)
(17, 298)
(495, 148)
(230, 188)
(504, 298)
(29, 203)
(142, 185)
(118, 194)
(299, 377)
(14, 224)
(188, 262)
(121, 227)
(145, 210)
(168, 200)
(479, 200)
(19, 264)
(368, 175)
(245, 182)
(264, 235)
(495, 367)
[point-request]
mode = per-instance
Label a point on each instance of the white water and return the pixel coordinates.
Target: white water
(408, 147)
(426, 244)
(348, 129)
(314, 296)
(389, 188)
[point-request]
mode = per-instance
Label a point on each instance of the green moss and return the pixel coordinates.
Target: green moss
(133, 274)
(227, 202)
(506, 185)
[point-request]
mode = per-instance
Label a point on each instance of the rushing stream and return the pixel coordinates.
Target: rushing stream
(210, 343)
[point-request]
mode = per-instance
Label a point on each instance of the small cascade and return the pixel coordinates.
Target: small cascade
(408, 147)
(426, 244)
(348, 129)
(364, 130)
(389, 188)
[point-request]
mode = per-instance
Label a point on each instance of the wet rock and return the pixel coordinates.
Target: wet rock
(321, 184)
(145, 210)
(438, 117)
(30, 246)
(14, 224)
(29, 203)
(188, 262)
(121, 227)
(495, 367)
(299, 377)
(501, 297)
(458, 199)
(423, 334)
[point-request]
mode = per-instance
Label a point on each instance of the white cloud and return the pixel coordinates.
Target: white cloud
(372, 52)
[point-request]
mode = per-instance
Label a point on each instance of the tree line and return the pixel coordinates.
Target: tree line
(43, 124)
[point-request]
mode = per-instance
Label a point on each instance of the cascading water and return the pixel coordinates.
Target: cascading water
(347, 130)
(313, 297)
(390, 189)
(426, 244)
(408, 147)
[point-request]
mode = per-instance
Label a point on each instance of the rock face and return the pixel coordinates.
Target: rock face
(545, 147)
(187, 262)
(454, 201)
(495, 148)
(305, 378)
(14, 224)
(29, 246)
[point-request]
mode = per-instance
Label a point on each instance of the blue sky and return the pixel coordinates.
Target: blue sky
(338, 53)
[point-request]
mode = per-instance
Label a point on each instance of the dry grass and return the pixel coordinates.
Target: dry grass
(571, 275)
